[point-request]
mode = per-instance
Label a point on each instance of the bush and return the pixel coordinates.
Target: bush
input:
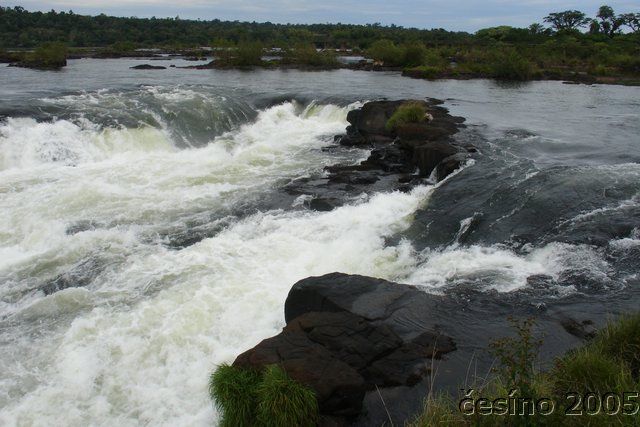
(248, 398)
(308, 55)
(414, 55)
(409, 112)
(387, 52)
(247, 55)
(511, 66)
(425, 72)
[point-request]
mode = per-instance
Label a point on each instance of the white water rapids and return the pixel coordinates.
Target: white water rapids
(136, 345)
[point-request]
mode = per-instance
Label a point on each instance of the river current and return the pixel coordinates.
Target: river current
(145, 236)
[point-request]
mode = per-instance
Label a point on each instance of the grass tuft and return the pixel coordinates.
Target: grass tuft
(284, 402)
(409, 112)
(248, 398)
(233, 390)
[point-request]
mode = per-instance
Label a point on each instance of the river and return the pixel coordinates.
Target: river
(145, 236)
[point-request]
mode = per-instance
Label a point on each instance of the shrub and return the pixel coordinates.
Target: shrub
(247, 54)
(308, 55)
(248, 398)
(517, 355)
(409, 112)
(387, 52)
(425, 72)
(414, 55)
(511, 66)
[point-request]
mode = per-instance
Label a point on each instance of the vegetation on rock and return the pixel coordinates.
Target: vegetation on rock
(48, 56)
(248, 398)
(409, 112)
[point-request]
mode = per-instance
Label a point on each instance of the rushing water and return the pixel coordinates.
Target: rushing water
(145, 236)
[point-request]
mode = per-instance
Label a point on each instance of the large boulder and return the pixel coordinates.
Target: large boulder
(349, 335)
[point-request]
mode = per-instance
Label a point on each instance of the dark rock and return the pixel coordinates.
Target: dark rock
(386, 339)
(148, 67)
(347, 335)
(41, 65)
(80, 275)
(583, 330)
(372, 117)
(428, 156)
(351, 140)
(322, 204)
(422, 131)
(394, 159)
(408, 364)
(449, 164)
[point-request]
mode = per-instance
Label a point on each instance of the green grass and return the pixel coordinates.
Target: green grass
(409, 112)
(248, 398)
(282, 402)
(608, 365)
(233, 390)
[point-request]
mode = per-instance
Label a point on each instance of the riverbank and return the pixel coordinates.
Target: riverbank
(322, 62)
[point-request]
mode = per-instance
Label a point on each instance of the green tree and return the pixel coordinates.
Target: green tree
(607, 22)
(387, 52)
(632, 20)
(567, 21)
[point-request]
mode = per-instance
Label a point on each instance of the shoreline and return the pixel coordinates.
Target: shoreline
(568, 75)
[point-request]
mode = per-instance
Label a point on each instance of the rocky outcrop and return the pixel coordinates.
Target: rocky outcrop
(398, 159)
(421, 145)
(348, 336)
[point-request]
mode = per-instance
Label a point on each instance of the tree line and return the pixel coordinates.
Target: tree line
(23, 29)
(566, 44)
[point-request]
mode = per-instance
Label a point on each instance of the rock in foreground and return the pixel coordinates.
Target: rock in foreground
(348, 336)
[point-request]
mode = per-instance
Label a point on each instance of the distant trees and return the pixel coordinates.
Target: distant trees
(606, 21)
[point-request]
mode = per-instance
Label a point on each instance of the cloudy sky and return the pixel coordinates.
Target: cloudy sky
(453, 15)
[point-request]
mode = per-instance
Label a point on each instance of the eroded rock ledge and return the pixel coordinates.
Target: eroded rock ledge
(348, 336)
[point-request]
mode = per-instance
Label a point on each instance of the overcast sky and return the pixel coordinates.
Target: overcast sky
(452, 15)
